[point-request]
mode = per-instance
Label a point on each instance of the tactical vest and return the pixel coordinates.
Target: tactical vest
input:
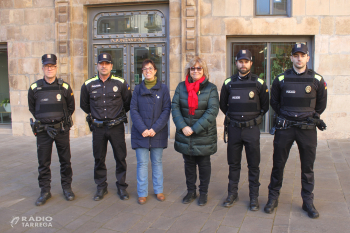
(298, 93)
(243, 98)
(50, 102)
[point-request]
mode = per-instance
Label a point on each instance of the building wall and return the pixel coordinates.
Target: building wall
(28, 27)
(34, 27)
(327, 20)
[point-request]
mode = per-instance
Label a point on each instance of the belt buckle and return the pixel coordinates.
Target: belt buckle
(243, 124)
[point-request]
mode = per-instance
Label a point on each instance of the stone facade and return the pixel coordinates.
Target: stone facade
(33, 27)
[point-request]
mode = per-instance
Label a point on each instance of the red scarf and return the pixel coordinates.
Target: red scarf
(192, 89)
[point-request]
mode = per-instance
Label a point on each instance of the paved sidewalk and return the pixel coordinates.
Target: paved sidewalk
(19, 190)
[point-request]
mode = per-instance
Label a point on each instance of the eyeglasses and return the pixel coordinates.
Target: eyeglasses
(50, 67)
(196, 68)
(148, 69)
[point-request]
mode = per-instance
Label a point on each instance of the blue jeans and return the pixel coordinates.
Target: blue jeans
(142, 155)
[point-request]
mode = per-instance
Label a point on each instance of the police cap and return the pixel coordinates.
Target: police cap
(49, 59)
(244, 54)
(302, 48)
(104, 57)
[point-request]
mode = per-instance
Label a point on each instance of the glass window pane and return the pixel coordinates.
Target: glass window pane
(279, 7)
(142, 53)
(259, 52)
(262, 7)
(4, 88)
(117, 59)
(125, 24)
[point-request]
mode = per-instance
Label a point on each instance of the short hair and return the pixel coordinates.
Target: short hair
(149, 61)
(193, 62)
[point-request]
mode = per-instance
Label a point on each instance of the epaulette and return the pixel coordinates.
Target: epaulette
(227, 80)
(261, 81)
(117, 78)
(318, 77)
(281, 77)
(90, 80)
(38, 83)
(65, 85)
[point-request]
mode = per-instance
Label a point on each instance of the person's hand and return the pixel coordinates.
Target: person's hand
(187, 131)
(151, 133)
(145, 133)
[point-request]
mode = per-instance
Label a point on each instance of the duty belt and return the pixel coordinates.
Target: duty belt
(255, 121)
(282, 123)
(110, 123)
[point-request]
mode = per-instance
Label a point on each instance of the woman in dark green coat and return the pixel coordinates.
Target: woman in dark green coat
(195, 106)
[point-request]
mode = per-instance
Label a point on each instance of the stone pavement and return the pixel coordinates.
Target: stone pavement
(19, 190)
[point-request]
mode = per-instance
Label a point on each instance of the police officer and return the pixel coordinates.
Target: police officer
(107, 98)
(299, 97)
(51, 102)
(244, 99)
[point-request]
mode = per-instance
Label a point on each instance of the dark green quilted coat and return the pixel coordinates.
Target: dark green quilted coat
(203, 141)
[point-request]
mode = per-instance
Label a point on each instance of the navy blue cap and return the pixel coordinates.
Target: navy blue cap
(104, 57)
(244, 54)
(49, 59)
(302, 48)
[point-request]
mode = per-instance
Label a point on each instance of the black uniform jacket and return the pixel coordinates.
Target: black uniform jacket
(261, 90)
(66, 90)
(105, 100)
(321, 96)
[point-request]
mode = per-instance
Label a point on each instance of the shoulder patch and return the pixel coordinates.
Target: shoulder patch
(90, 80)
(65, 85)
(261, 81)
(280, 78)
(33, 86)
(227, 81)
(117, 78)
(318, 77)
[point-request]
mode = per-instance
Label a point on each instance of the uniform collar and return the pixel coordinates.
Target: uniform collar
(244, 77)
(295, 72)
(50, 83)
(106, 79)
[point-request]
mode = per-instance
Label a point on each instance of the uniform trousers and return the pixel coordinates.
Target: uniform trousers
(204, 168)
(100, 138)
(44, 149)
(306, 140)
(249, 138)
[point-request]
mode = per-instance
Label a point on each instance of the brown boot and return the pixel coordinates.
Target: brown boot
(160, 197)
(142, 200)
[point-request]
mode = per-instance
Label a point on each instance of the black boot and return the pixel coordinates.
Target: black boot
(203, 199)
(270, 206)
(44, 196)
(254, 204)
(311, 210)
(189, 197)
(100, 193)
(231, 198)
(123, 194)
(68, 194)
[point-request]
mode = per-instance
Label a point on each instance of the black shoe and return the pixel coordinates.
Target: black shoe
(100, 193)
(311, 210)
(123, 194)
(270, 206)
(43, 198)
(203, 199)
(189, 198)
(231, 198)
(68, 194)
(254, 204)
